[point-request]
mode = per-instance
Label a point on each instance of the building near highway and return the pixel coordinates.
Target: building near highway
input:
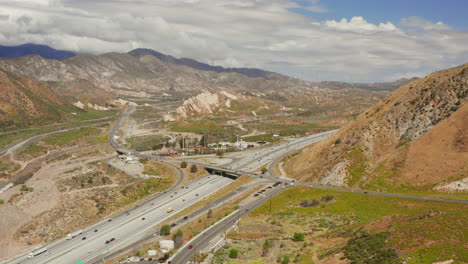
(239, 145)
(166, 245)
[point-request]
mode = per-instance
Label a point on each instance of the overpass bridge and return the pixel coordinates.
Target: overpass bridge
(223, 172)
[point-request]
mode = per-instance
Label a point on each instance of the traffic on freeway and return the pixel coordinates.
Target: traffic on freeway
(114, 233)
(252, 160)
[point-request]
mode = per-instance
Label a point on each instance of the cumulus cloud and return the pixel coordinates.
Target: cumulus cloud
(360, 25)
(420, 23)
(240, 33)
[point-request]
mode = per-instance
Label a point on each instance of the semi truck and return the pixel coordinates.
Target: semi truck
(74, 234)
(37, 251)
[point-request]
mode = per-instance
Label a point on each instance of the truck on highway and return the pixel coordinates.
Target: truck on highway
(37, 251)
(169, 210)
(74, 234)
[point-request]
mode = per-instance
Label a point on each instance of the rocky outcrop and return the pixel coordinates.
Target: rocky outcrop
(206, 103)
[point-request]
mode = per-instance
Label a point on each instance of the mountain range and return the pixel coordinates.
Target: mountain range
(34, 49)
(47, 52)
(84, 79)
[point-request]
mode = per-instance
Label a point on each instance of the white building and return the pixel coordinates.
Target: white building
(166, 245)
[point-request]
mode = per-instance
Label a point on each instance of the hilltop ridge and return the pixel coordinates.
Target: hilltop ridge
(415, 139)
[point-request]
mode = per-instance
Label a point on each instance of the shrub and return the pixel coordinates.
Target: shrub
(209, 214)
(327, 198)
(25, 188)
(298, 237)
(165, 230)
(178, 238)
(370, 248)
(193, 169)
(183, 164)
(233, 253)
(2, 202)
(285, 260)
(266, 244)
(309, 203)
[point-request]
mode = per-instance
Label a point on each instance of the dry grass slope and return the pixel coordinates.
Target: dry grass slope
(411, 141)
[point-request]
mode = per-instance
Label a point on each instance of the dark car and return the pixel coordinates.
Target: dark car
(84, 238)
(143, 218)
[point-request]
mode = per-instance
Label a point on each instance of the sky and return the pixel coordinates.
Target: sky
(315, 40)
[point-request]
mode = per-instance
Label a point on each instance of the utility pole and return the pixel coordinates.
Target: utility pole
(270, 203)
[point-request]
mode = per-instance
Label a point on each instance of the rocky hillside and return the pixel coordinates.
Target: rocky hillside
(223, 104)
(24, 101)
(416, 139)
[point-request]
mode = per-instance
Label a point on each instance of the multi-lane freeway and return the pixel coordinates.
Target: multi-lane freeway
(127, 227)
(254, 159)
(198, 243)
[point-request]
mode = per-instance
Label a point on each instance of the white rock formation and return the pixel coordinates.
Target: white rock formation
(337, 175)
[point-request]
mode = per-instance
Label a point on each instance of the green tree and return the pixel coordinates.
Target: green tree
(219, 153)
(264, 170)
(209, 214)
(181, 142)
(183, 164)
(204, 141)
(233, 253)
(193, 168)
(297, 237)
(165, 230)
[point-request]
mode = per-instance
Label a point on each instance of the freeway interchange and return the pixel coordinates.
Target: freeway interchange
(112, 236)
(108, 237)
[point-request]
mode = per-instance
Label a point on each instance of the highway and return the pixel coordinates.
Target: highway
(251, 160)
(57, 124)
(199, 242)
(16, 145)
(126, 227)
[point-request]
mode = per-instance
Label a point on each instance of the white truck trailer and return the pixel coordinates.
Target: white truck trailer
(37, 251)
(74, 234)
